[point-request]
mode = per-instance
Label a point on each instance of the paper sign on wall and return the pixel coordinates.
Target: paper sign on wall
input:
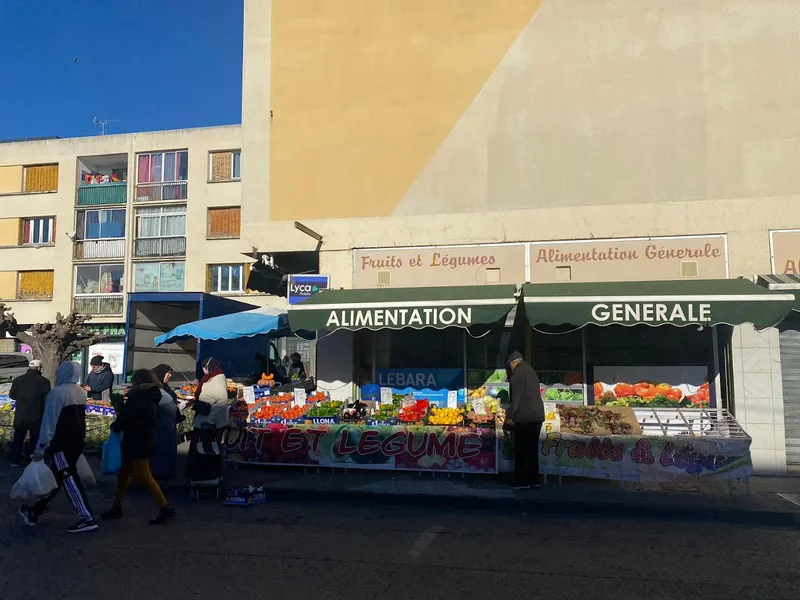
(249, 394)
(299, 397)
(386, 395)
(452, 399)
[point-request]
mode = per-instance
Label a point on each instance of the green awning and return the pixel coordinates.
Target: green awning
(654, 303)
(406, 308)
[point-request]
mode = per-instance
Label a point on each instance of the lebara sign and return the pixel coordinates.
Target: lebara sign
(302, 287)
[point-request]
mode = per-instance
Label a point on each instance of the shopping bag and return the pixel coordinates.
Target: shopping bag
(85, 473)
(112, 455)
(36, 482)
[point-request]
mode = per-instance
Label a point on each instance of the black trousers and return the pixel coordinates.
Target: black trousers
(526, 453)
(65, 469)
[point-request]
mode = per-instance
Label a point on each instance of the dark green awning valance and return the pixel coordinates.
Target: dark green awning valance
(655, 303)
(406, 308)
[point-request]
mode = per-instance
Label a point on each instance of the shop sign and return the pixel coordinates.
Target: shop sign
(437, 386)
(302, 287)
(399, 448)
(399, 317)
(439, 266)
(107, 330)
(651, 312)
(651, 259)
(113, 354)
(785, 252)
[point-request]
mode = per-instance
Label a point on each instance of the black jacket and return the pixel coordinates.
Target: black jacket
(137, 422)
(526, 398)
(29, 392)
(99, 382)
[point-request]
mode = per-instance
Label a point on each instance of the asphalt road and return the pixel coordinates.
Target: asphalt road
(316, 550)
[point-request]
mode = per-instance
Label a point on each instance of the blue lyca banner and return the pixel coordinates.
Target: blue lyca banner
(302, 287)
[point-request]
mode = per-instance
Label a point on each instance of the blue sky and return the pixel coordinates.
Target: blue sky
(152, 64)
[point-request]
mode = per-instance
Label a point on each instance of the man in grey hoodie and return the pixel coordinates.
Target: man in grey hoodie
(62, 433)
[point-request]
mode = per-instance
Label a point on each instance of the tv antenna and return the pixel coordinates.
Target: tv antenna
(102, 124)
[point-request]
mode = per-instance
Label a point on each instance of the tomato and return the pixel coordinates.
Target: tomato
(623, 390)
(642, 390)
(674, 394)
(663, 389)
(598, 389)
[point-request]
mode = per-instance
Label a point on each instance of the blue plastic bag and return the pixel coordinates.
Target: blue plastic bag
(112, 455)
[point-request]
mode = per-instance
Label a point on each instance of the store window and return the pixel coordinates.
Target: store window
(35, 285)
(224, 223)
(99, 279)
(159, 277)
(38, 230)
(225, 165)
(226, 278)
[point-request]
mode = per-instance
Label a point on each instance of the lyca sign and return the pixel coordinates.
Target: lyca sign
(651, 312)
(302, 287)
(400, 317)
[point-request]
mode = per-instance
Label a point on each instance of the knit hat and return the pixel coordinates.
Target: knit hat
(97, 361)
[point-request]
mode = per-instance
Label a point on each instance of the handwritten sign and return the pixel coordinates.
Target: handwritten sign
(478, 407)
(386, 395)
(299, 397)
(249, 394)
(452, 399)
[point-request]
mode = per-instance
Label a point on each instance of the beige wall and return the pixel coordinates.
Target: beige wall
(9, 232)
(10, 179)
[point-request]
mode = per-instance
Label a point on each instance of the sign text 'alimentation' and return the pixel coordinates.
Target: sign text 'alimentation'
(400, 317)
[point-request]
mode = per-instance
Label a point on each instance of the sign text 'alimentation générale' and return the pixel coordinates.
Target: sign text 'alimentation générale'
(400, 317)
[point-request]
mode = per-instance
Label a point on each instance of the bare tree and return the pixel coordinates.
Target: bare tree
(53, 343)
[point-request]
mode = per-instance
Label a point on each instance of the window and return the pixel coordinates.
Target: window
(162, 167)
(159, 277)
(40, 178)
(161, 221)
(37, 231)
(224, 222)
(226, 278)
(35, 285)
(101, 224)
(225, 166)
(99, 279)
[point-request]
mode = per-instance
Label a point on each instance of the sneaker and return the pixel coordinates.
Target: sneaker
(114, 513)
(164, 515)
(83, 525)
(15, 465)
(27, 516)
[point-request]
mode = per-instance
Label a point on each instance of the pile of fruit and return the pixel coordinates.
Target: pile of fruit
(317, 397)
(586, 419)
(647, 394)
(267, 411)
(414, 412)
(446, 416)
(239, 411)
(283, 398)
(481, 420)
(325, 409)
(386, 412)
(294, 412)
(700, 399)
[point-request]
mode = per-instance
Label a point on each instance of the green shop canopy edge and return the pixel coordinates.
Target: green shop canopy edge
(678, 303)
(403, 308)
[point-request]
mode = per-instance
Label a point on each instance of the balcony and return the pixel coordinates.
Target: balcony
(99, 304)
(166, 246)
(88, 249)
(166, 191)
(102, 194)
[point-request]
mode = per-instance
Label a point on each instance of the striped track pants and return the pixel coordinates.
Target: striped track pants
(66, 473)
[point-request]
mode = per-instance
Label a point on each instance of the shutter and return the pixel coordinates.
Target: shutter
(10, 232)
(8, 285)
(221, 166)
(224, 222)
(41, 178)
(208, 278)
(790, 374)
(36, 284)
(11, 179)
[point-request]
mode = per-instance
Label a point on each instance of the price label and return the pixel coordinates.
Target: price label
(299, 397)
(479, 407)
(409, 401)
(452, 399)
(386, 395)
(249, 394)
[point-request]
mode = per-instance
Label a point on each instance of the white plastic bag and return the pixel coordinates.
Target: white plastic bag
(85, 473)
(36, 482)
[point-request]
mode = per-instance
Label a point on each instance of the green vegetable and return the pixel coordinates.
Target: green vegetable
(325, 409)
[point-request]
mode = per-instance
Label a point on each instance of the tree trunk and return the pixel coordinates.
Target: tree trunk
(50, 361)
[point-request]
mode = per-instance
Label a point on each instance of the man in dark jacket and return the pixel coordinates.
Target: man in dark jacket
(525, 418)
(28, 392)
(100, 379)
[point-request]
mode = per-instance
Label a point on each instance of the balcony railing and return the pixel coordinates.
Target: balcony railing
(160, 192)
(85, 249)
(166, 246)
(99, 304)
(102, 194)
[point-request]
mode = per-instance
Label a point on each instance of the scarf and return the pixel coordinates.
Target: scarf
(206, 377)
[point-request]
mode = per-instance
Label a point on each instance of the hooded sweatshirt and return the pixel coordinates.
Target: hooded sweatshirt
(64, 422)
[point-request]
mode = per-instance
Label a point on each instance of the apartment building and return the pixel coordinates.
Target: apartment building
(85, 221)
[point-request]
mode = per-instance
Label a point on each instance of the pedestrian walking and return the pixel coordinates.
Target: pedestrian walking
(211, 410)
(100, 379)
(62, 433)
(524, 418)
(163, 463)
(28, 392)
(137, 421)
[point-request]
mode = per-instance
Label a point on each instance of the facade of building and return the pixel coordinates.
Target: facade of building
(455, 144)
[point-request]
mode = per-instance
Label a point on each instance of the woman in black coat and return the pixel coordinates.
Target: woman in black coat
(137, 421)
